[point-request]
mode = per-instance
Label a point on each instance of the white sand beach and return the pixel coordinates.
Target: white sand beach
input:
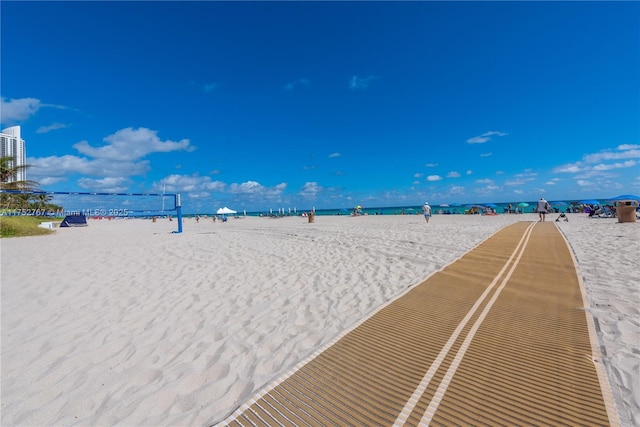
(124, 323)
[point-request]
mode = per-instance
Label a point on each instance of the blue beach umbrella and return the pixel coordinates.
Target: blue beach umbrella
(558, 203)
(626, 197)
(491, 205)
(589, 202)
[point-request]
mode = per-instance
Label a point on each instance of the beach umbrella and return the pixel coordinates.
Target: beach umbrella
(491, 205)
(523, 204)
(589, 202)
(444, 205)
(626, 197)
(558, 203)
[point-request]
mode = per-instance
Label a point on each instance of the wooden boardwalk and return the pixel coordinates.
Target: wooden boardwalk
(500, 337)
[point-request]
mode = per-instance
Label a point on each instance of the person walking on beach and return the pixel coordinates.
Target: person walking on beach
(426, 210)
(542, 208)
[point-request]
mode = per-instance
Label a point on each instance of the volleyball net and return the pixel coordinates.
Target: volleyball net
(92, 205)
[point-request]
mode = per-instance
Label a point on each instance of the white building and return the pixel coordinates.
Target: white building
(12, 145)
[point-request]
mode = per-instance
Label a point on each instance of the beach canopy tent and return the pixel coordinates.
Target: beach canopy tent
(225, 211)
(74, 221)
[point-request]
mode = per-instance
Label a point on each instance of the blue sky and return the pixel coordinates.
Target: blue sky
(327, 104)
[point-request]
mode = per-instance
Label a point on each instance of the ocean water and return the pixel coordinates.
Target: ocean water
(451, 209)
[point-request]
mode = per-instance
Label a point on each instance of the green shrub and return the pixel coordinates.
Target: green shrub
(18, 226)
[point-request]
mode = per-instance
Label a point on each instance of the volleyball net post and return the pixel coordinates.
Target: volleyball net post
(58, 204)
(178, 206)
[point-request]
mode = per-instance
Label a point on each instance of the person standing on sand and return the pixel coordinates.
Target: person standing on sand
(426, 210)
(542, 208)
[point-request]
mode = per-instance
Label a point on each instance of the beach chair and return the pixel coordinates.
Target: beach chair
(603, 212)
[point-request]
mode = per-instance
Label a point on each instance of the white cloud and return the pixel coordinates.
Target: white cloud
(477, 140)
(569, 168)
(485, 137)
(18, 110)
(54, 166)
(217, 186)
(453, 174)
(310, 190)
(188, 183)
(434, 178)
(14, 111)
(59, 166)
(203, 186)
(246, 188)
(630, 153)
(486, 192)
(527, 174)
(418, 175)
(361, 83)
(54, 126)
(469, 172)
(628, 147)
(485, 181)
(495, 132)
(51, 180)
(586, 165)
(107, 168)
(486, 154)
(334, 155)
(605, 167)
(255, 188)
(522, 179)
(131, 144)
(108, 184)
(457, 189)
(198, 195)
(431, 165)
